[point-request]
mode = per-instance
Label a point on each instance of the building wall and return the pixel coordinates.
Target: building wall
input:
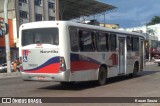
(32, 8)
(11, 9)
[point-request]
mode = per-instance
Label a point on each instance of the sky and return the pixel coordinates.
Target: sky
(131, 13)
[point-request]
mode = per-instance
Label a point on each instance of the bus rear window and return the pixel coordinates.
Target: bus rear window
(40, 36)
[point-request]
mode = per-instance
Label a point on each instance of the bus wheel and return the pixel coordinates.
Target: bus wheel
(135, 71)
(102, 76)
(158, 64)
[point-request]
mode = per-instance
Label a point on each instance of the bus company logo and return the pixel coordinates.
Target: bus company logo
(51, 51)
(25, 54)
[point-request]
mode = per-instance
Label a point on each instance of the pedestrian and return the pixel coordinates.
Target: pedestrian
(15, 66)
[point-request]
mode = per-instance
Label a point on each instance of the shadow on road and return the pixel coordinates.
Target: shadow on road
(73, 87)
(92, 84)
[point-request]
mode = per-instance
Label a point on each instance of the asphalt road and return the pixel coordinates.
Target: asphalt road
(147, 84)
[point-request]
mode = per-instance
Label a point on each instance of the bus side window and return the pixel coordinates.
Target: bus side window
(73, 39)
(128, 43)
(113, 42)
(94, 43)
(86, 39)
(135, 43)
(102, 42)
(80, 40)
(107, 42)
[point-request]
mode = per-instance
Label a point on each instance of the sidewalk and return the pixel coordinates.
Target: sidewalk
(149, 62)
(9, 75)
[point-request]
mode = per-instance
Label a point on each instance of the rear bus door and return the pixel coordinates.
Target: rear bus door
(121, 48)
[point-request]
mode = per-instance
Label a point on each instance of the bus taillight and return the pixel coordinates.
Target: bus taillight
(62, 64)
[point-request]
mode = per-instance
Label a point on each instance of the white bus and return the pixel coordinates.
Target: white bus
(68, 52)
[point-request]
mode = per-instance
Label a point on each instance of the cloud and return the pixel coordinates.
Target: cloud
(131, 13)
(137, 14)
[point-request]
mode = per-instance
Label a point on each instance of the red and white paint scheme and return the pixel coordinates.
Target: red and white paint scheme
(67, 52)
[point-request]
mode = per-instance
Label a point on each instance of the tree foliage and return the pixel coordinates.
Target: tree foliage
(155, 20)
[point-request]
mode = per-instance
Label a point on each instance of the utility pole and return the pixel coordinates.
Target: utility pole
(57, 9)
(7, 42)
(149, 44)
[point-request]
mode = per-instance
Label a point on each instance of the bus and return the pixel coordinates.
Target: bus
(67, 52)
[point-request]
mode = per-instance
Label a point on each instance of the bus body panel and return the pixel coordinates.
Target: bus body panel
(85, 66)
(41, 60)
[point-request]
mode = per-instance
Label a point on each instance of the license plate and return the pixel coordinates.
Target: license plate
(41, 78)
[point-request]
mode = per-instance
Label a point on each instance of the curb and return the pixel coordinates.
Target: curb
(9, 75)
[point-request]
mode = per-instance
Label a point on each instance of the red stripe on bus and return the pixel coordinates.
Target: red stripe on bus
(80, 66)
(52, 68)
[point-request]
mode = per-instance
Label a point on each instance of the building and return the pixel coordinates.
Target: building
(111, 26)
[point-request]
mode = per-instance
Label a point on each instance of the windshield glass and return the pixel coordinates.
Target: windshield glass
(40, 36)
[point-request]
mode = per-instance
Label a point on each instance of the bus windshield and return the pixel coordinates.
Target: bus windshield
(40, 36)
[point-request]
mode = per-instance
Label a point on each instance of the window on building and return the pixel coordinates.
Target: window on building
(38, 17)
(51, 5)
(38, 2)
(23, 14)
(51, 18)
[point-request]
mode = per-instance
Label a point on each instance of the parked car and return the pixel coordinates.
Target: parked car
(3, 68)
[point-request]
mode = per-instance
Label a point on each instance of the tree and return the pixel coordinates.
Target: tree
(155, 20)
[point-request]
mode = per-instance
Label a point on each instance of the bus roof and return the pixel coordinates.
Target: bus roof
(41, 24)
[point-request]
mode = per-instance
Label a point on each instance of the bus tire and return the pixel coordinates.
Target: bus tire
(102, 76)
(135, 70)
(158, 64)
